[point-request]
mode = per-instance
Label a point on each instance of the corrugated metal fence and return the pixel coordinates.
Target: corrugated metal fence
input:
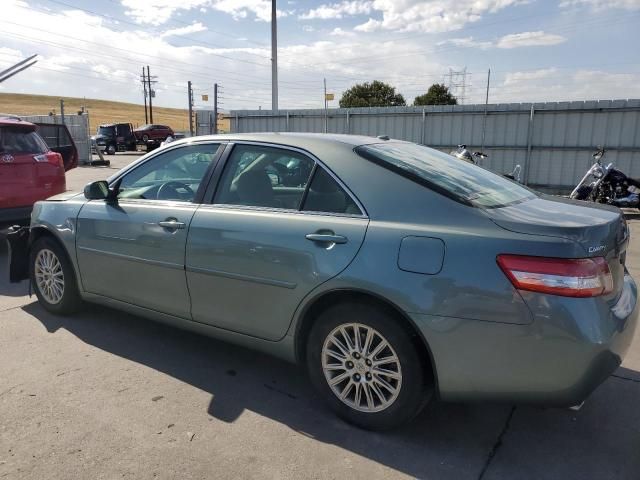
(78, 126)
(552, 142)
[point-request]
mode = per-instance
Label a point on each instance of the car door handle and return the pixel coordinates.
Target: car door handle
(326, 238)
(172, 224)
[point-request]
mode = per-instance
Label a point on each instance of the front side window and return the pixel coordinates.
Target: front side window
(460, 180)
(174, 175)
(264, 177)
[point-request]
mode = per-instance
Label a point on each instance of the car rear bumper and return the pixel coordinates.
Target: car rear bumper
(555, 361)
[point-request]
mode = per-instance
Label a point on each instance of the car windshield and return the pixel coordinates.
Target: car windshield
(450, 176)
(106, 131)
(19, 140)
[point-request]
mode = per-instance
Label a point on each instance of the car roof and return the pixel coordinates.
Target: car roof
(308, 141)
(11, 121)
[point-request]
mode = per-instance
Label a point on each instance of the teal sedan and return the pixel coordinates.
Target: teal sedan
(393, 272)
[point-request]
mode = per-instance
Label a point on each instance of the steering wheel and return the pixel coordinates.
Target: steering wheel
(169, 190)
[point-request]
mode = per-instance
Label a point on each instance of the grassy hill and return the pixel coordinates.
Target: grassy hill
(100, 111)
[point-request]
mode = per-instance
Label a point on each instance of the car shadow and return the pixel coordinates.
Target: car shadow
(240, 379)
(445, 441)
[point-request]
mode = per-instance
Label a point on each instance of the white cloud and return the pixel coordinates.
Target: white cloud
(261, 9)
(603, 4)
(339, 32)
(514, 40)
(159, 12)
(467, 42)
(530, 39)
(193, 28)
(308, 28)
(338, 10)
(517, 78)
(431, 15)
(552, 84)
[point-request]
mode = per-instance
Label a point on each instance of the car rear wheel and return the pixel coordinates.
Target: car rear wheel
(366, 367)
(53, 277)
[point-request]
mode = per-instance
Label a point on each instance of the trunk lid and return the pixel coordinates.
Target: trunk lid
(600, 230)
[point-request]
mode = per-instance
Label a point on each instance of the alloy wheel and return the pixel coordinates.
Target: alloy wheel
(361, 367)
(49, 276)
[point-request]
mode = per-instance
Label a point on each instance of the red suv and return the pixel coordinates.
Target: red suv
(29, 169)
(153, 132)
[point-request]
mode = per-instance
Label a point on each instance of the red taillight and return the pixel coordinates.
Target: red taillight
(581, 277)
(53, 158)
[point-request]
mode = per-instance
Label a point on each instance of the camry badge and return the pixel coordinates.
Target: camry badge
(599, 248)
(6, 158)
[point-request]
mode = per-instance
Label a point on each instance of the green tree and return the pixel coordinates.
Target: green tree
(438, 94)
(374, 94)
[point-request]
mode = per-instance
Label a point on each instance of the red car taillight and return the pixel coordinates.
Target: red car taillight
(582, 277)
(50, 157)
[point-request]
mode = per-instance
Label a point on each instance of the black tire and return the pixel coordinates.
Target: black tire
(111, 149)
(415, 389)
(70, 301)
(145, 138)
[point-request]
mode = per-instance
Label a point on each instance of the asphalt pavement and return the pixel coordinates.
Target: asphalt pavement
(107, 395)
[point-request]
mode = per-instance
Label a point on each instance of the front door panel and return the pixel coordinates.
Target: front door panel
(249, 269)
(125, 252)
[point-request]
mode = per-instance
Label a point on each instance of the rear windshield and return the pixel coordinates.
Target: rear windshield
(19, 140)
(107, 131)
(457, 179)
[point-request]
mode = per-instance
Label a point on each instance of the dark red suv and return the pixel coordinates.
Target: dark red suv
(153, 132)
(30, 169)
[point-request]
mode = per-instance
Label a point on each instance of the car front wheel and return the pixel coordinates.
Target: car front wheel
(366, 367)
(111, 150)
(53, 277)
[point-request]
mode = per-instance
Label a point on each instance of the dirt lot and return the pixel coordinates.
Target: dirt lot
(100, 111)
(106, 395)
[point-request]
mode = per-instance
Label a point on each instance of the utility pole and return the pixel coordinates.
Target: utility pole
(486, 104)
(215, 108)
(274, 59)
(144, 88)
(190, 94)
(62, 110)
(325, 105)
(150, 95)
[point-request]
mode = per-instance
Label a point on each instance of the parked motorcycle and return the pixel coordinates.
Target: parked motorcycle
(464, 154)
(606, 184)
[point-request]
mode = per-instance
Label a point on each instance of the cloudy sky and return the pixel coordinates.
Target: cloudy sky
(538, 50)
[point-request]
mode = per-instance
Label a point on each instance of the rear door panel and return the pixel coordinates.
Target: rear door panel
(249, 269)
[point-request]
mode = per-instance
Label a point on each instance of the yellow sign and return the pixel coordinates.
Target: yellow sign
(205, 98)
(329, 96)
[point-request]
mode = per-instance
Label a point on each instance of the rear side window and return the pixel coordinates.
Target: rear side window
(18, 140)
(264, 177)
(457, 179)
(55, 136)
(326, 195)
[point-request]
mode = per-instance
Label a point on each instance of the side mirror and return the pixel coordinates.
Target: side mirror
(98, 190)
